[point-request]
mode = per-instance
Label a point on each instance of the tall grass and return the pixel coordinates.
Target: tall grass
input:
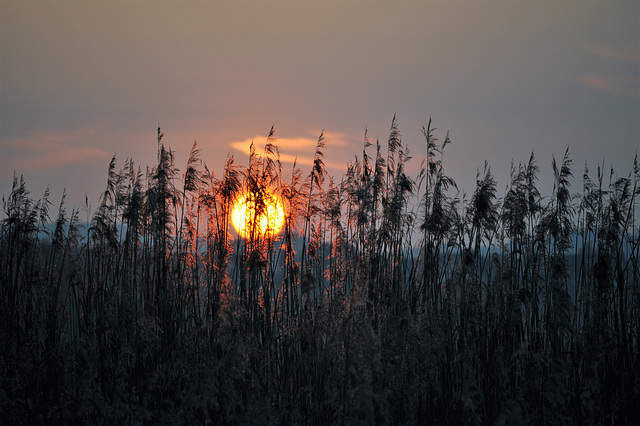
(385, 298)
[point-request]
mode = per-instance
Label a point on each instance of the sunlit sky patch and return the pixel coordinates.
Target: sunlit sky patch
(301, 150)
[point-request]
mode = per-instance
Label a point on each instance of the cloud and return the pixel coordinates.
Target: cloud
(48, 150)
(301, 149)
(628, 54)
(624, 86)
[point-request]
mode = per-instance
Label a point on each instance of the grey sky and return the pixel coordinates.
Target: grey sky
(81, 81)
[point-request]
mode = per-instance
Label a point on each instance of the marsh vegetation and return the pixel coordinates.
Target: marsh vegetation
(385, 298)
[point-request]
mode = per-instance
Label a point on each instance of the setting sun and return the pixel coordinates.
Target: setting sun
(268, 218)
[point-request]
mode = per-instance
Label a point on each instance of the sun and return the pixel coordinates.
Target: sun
(264, 218)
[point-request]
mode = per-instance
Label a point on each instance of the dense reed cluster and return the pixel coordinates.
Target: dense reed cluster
(386, 298)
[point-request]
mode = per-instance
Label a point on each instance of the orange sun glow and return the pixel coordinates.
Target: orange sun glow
(267, 216)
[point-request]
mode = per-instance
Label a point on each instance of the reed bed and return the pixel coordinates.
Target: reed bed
(386, 298)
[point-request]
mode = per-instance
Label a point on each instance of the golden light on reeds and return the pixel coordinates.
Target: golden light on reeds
(258, 215)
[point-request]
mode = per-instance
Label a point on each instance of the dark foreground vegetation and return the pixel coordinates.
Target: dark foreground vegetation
(385, 298)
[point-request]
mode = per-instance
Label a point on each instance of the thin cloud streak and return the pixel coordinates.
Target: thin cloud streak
(624, 86)
(628, 54)
(49, 151)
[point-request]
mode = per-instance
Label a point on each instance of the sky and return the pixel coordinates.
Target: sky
(81, 81)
